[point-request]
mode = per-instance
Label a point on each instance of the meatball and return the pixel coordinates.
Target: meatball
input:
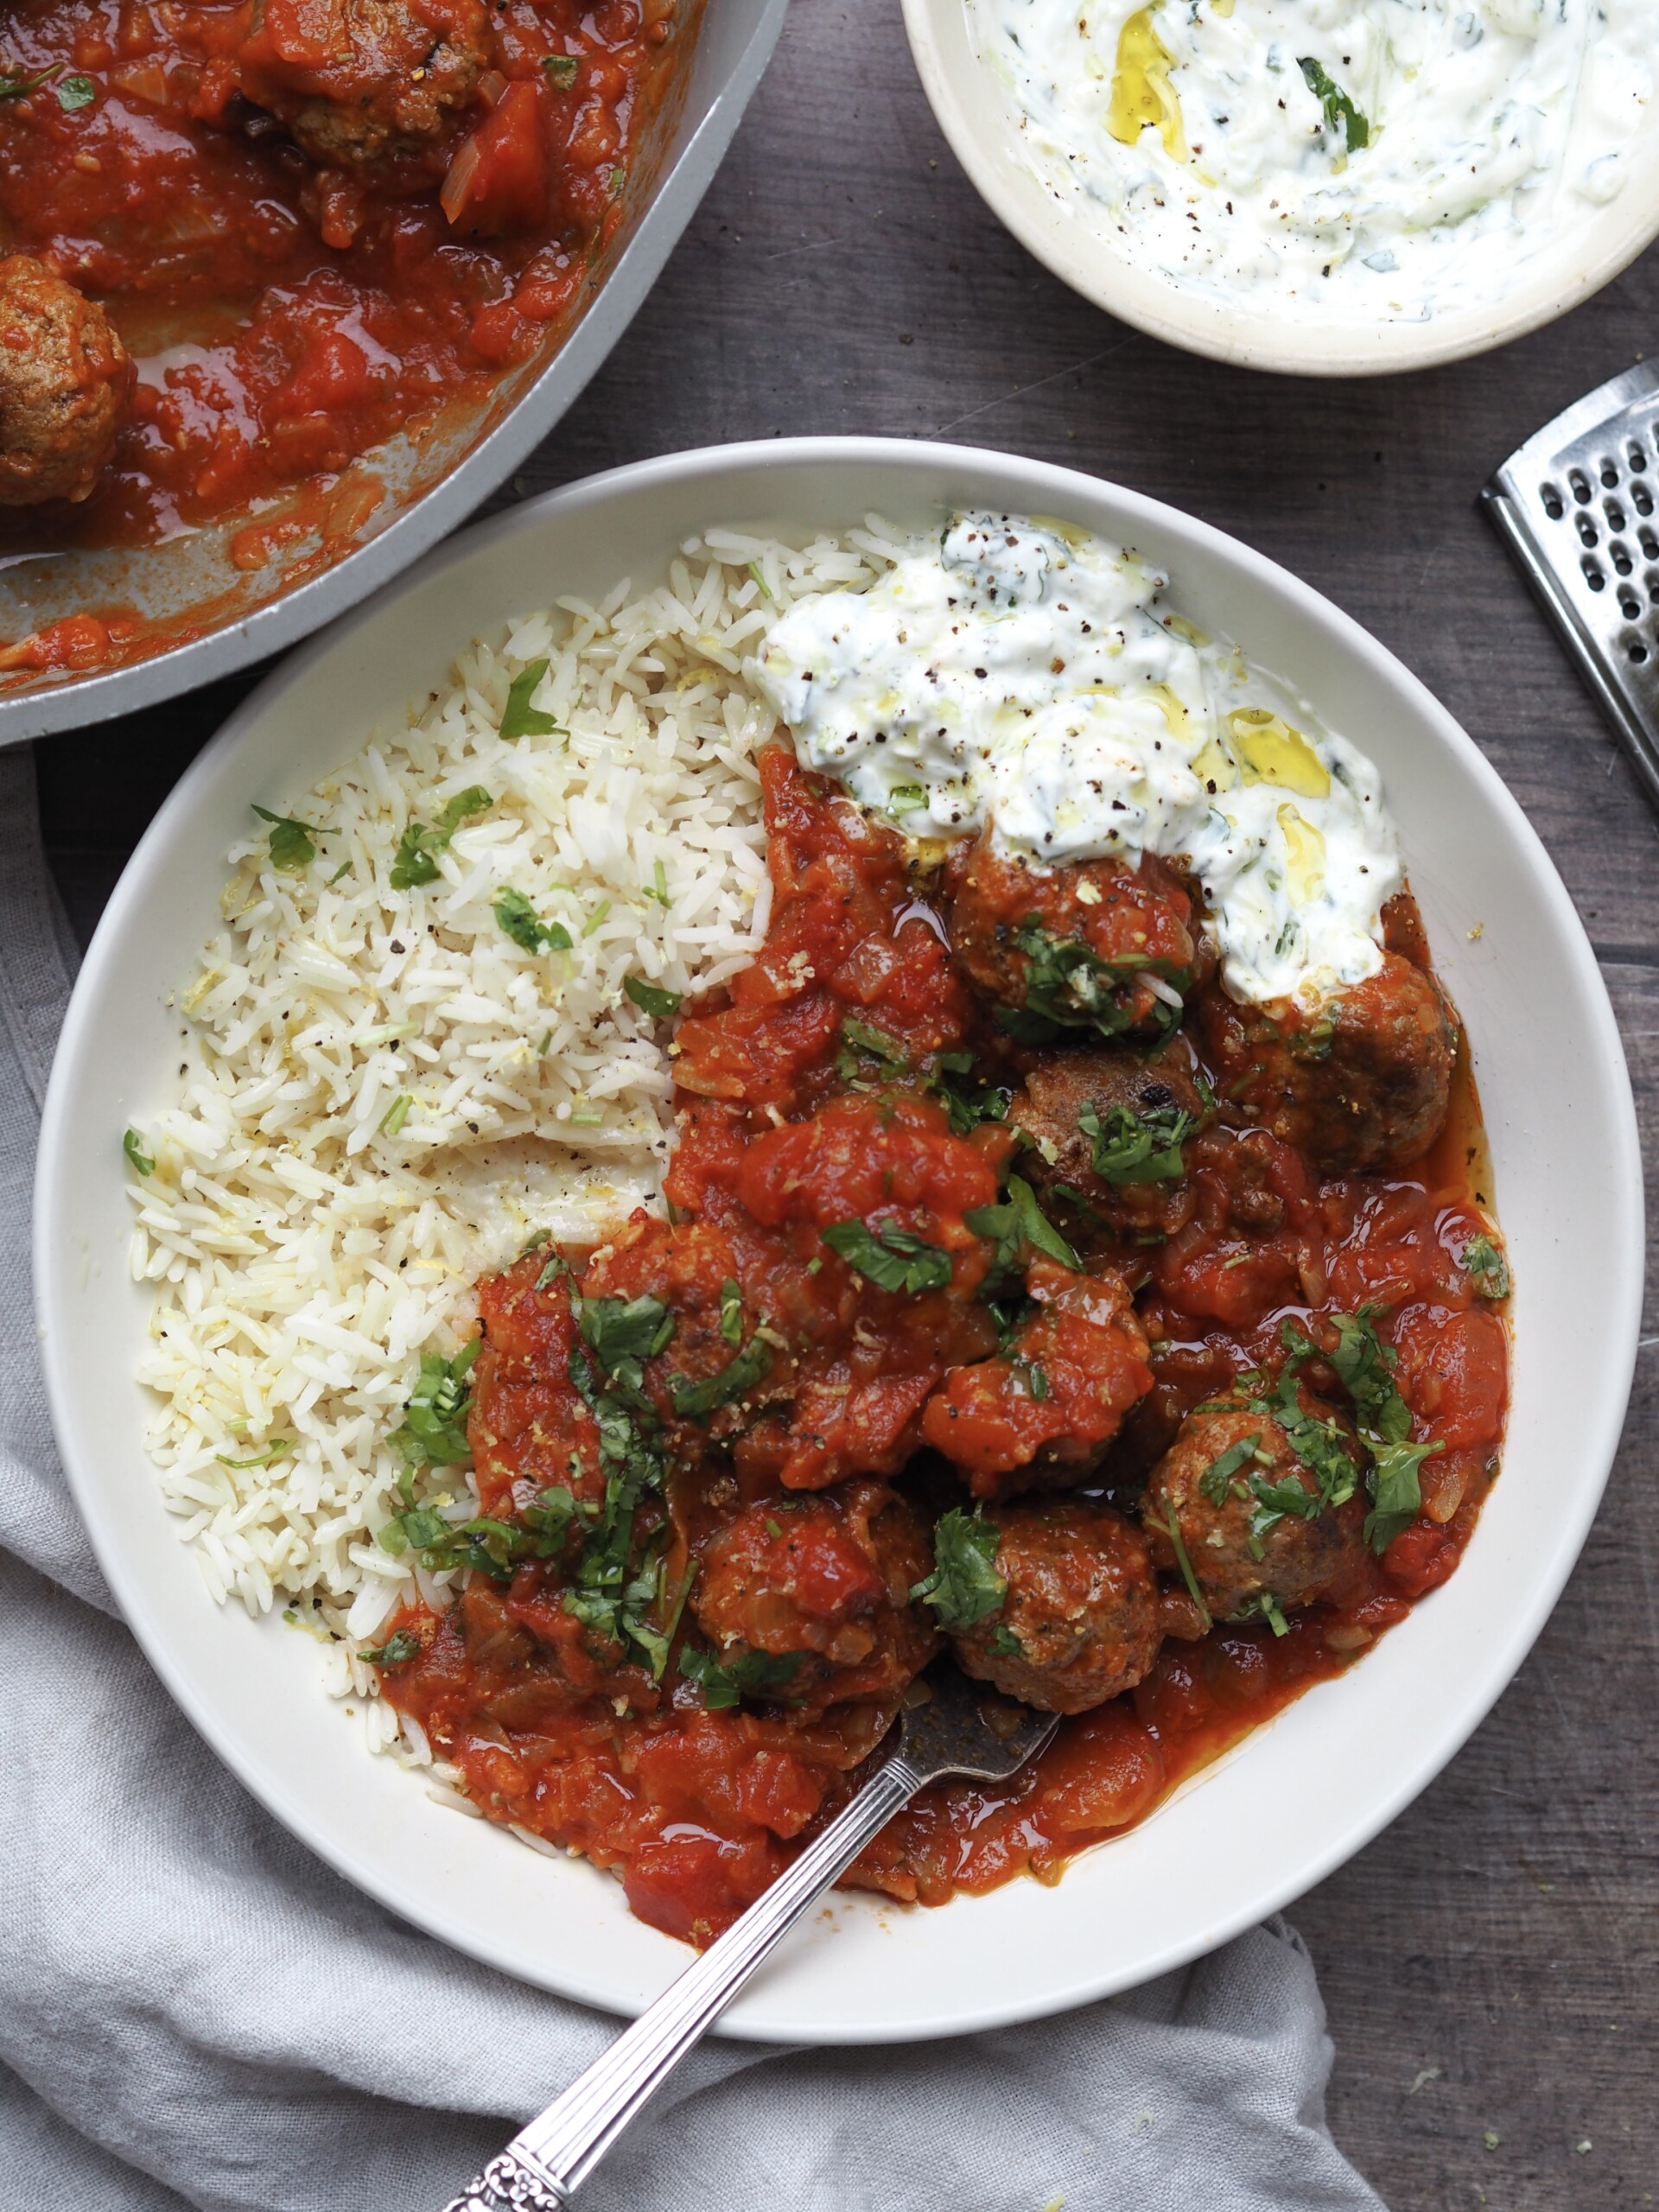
(1097, 945)
(1222, 1486)
(806, 1600)
(1132, 1104)
(1363, 1083)
(1041, 1414)
(1080, 1622)
(65, 382)
(359, 81)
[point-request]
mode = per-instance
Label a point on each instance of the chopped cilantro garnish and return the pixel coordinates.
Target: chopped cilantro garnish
(1131, 1147)
(1069, 986)
(651, 998)
(75, 93)
(623, 1333)
(967, 1104)
(658, 887)
(1171, 1528)
(1263, 1606)
(397, 1651)
(132, 1145)
(290, 842)
(1217, 1477)
(765, 588)
(396, 1114)
(415, 863)
(731, 1312)
(891, 1257)
(526, 926)
(278, 1448)
(561, 70)
(696, 1401)
(965, 1586)
(432, 1432)
(1004, 1644)
(1487, 1265)
(1037, 1378)
(1017, 1223)
(518, 718)
(858, 1037)
(1365, 1366)
(746, 1674)
(1340, 113)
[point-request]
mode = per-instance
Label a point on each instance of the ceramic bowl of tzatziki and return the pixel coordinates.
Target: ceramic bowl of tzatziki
(1322, 187)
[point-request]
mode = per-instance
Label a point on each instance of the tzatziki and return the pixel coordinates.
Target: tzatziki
(1029, 677)
(1380, 159)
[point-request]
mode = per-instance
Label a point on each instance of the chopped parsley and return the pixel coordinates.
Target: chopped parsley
(697, 1401)
(75, 93)
(432, 1432)
(651, 998)
(72, 93)
(1069, 986)
(278, 1448)
(397, 1651)
(1171, 1528)
(968, 1104)
(891, 1257)
(1365, 1366)
(739, 1674)
(731, 1312)
(132, 1145)
(1340, 113)
(658, 887)
(526, 926)
(1004, 1644)
(291, 844)
(1018, 1223)
(863, 1037)
(1137, 1147)
(1263, 1606)
(518, 718)
(1217, 1478)
(1487, 1266)
(623, 1333)
(561, 70)
(965, 1586)
(415, 863)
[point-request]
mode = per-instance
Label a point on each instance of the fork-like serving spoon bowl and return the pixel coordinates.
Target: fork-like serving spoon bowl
(953, 1728)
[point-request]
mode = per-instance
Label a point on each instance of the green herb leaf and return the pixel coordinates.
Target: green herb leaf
(396, 1114)
(278, 1448)
(1132, 1146)
(18, 88)
(765, 589)
(1171, 1528)
(290, 841)
(875, 1044)
(1340, 113)
(515, 914)
(622, 1334)
(731, 1312)
(520, 718)
(1397, 1491)
(697, 1401)
(968, 1104)
(1020, 1224)
(1487, 1266)
(397, 1651)
(891, 1257)
(1263, 1606)
(474, 800)
(651, 998)
(561, 73)
(1004, 1644)
(742, 1673)
(412, 863)
(132, 1145)
(658, 887)
(965, 1586)
(75, 93)
(1217, 1477)
(1068, 985)
(432, 1432)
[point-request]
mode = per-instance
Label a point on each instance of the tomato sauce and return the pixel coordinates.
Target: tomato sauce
(289, 314)
(741, 1388)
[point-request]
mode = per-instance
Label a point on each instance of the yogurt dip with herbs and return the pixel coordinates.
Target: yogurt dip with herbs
(1364, 159)
(1030, 675)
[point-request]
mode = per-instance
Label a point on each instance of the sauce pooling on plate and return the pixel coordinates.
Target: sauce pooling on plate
(1030, 677)
(1392, 159)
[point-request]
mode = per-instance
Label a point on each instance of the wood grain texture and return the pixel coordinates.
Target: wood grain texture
(1489, 1962)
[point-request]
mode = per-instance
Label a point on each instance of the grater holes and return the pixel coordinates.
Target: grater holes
(1593, 574)
(1638, 459)
(1637, 651)
(1615, 515)
(1649, 541)
(1609, 472)
(1630, 606)
(1554, 505)
(1640, 498)
(1652, 583)
(1620, 556)
(1579, 484)
(1588, 533)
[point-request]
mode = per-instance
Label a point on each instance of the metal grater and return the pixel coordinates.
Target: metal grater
(1579, 507)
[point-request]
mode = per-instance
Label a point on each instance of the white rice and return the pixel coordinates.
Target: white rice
(304, 1247)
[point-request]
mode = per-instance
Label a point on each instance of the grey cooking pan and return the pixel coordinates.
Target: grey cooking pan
(231, 617)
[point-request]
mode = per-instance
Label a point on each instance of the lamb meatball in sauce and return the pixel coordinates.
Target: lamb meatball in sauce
(66, 380)
(805, 1600)
(1080, 1621)
(359, 81)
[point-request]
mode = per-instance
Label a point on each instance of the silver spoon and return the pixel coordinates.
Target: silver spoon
(956, 1728)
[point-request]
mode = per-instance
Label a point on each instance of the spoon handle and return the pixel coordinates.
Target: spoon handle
(558, 2150)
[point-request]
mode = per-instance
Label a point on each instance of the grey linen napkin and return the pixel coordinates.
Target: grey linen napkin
(193, 2011)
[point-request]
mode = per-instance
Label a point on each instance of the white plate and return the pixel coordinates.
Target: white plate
(1298, 1797)
(978, 117)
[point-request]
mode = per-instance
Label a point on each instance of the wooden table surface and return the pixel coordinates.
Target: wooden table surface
(1490, 1962)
